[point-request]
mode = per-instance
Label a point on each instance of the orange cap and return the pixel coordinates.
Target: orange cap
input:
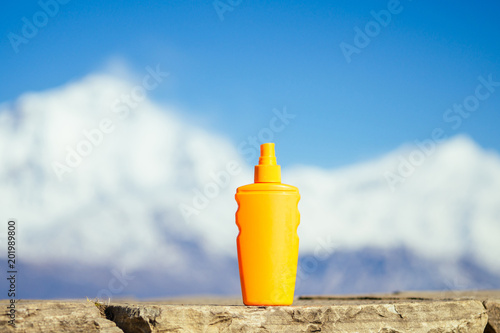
(268, 171)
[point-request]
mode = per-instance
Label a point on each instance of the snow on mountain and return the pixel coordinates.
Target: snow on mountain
(106, 208)
(448, 208)
(96, 180)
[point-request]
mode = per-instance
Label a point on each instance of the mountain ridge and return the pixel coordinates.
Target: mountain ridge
(119, 207)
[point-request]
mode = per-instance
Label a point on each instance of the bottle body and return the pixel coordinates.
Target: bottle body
(268, 244)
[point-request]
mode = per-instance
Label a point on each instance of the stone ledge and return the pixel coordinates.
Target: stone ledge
(400, 312)
(444, 316)
(57, 316)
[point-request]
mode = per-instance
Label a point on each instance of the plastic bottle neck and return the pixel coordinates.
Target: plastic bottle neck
(267, 171)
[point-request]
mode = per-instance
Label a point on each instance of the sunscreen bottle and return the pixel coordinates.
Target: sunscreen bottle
(268, 245)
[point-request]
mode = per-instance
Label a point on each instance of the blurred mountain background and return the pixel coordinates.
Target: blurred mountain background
(135, 208)
(126, 127)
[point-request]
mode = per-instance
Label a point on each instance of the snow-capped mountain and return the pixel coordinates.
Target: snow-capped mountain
(100, 184)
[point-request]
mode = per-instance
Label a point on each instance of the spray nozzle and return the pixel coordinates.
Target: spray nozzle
(267, 171)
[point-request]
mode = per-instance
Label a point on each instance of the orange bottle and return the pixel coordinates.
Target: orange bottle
(268, 245)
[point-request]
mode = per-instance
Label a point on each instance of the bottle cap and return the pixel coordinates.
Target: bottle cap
(267, 171)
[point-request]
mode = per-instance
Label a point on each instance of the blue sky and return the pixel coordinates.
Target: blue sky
(228, 75)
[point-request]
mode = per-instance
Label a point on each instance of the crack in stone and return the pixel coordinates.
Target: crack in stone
(102, 312)
(222, 319)
(129, 320)
(396, 309)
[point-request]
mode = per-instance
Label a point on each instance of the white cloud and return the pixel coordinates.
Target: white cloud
(121, 205)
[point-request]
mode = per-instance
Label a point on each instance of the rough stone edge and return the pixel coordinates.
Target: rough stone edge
(130, 317)
(97, 321)
(127, 317)
(492, 307)
(102, 311)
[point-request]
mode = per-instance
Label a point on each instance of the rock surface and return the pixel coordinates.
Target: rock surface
(57, 316)
(493, 308)
(401, 312)
(448, 316)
